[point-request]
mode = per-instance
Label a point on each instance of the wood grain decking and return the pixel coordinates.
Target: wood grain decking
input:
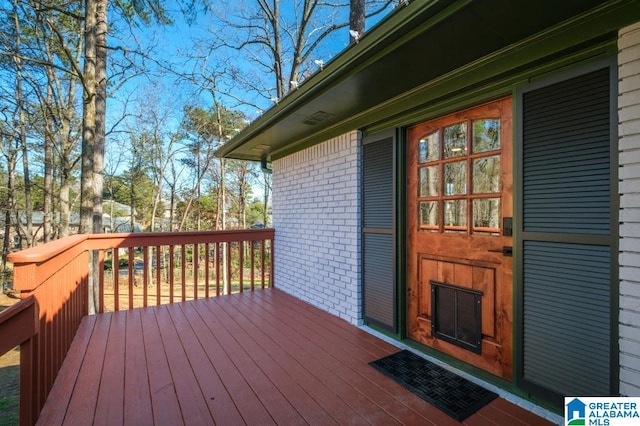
(256, 358)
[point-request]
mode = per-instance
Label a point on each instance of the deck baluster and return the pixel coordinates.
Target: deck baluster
(56, 275)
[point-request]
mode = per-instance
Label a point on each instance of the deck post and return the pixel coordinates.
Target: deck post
(19, 325)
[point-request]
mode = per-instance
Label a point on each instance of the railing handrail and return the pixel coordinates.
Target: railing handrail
(39, 254)
(18, 323)
(42, 253)
(28, 277)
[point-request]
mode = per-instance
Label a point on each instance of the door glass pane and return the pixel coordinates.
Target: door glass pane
(455, 140)
(486, 213)
(455, 178)
(455, 213)
(428, 214)
(429, 182)
(486, 135)
(429, 148)
(486, 175)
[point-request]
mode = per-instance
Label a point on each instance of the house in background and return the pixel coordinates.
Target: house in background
(466, 179)
(119, 222)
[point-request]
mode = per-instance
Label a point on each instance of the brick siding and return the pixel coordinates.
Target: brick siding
(629, 186)
(316, 214)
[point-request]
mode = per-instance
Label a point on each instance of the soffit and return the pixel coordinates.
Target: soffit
(418, 44)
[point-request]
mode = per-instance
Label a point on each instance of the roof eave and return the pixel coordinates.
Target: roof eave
(400, 21)
(361, 68)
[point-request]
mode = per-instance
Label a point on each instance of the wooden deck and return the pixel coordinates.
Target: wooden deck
(256, 358)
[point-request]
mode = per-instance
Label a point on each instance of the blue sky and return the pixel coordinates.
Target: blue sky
(172, 44)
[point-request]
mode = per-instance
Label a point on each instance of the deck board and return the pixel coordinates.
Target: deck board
(164, 400)
(285, 345)
(243, 396)
(351, 386)
(288, 361)
(281, 410)
(259, 357)
(111, 389)
(302, 401)
(192, 401)
(82, 403)
(221, 406)
(137, 395)
(350, 350)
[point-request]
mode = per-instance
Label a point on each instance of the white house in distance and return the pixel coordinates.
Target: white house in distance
(466, 179)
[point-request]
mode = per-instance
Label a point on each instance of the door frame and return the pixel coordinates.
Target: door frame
(571, 63)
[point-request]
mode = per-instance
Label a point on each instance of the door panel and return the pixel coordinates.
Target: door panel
(459, 194)
(473, 277)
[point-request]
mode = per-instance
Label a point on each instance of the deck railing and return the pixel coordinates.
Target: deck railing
(19, 326)
(59, 284)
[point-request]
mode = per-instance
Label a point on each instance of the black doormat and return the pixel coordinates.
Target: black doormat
(452, 394)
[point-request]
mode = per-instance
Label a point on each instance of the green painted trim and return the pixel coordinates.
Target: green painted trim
(475, 81)
(401, 230)
(378, 49)
(615, 233)
(517, 267)
(473, 85)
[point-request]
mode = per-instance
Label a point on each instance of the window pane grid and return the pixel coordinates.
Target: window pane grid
(459, 177)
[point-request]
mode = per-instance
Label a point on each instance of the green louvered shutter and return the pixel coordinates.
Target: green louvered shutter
(566, 237)
(379, 295)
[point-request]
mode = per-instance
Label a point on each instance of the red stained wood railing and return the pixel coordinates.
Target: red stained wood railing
(18, 326)
(53, 279)
(182, 266)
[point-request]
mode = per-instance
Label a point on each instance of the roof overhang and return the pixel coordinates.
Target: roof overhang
(401, 64)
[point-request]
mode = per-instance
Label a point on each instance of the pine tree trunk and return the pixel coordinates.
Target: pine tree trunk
(88, 118)
(87, 190)
(48, 171)
(356, 17)
(101, 111)
(11, 166)
(21, 132)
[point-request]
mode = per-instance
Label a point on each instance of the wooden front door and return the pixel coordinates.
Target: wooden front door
(459, 235)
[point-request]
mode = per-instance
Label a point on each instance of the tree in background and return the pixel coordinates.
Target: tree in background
(357, 16)
(204, 132)
(282, 42)
(95, 81)
(60, 41)
(264, 180)
(89, 128)
(58, 73)
(241, 177)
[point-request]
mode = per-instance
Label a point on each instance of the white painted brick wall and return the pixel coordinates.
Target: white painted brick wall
(629, 187)
(316, 214)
